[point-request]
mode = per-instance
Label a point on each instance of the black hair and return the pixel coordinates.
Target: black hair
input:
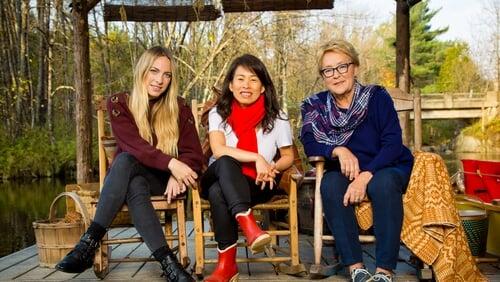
(271, 105)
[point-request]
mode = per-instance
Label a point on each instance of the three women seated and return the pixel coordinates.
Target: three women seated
(354, 126)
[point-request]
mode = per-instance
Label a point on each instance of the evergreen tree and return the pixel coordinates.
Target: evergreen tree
(426, 51)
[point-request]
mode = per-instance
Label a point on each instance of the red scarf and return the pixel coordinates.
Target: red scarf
(243, 121)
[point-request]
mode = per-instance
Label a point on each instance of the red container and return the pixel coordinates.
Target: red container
(482, 179)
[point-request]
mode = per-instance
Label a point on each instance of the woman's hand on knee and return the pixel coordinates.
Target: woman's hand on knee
(262, 167)
(356, 192)
(182, 172)
(273, 171)
(271, 177)
(349, 164)
(173, 189)
(266, 179)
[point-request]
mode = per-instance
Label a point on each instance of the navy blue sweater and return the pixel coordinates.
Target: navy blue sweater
(376, 142)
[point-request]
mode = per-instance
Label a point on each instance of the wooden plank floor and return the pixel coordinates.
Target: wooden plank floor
(23, 265)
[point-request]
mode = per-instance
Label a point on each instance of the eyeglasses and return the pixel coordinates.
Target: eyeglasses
(329, 72)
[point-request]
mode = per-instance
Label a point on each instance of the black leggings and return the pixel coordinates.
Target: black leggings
(130, 182)
(229, 193)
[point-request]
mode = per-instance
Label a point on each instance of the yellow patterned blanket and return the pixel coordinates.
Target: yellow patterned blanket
(432, 229)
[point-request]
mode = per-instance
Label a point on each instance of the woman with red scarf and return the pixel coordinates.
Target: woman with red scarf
(246, 130)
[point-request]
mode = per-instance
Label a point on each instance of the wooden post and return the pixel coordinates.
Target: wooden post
(83, 88)
(417, 116)
(102, 153)
(484, 145)
(199, 241)
(181, 233)
(293, 224)
(403, 59)
(318, 214)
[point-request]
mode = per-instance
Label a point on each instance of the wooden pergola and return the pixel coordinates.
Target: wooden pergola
(195, 10)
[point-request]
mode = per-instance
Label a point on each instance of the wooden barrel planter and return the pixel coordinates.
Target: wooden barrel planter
(54, 237)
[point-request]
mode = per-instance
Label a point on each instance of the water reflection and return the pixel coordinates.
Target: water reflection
(21, 203)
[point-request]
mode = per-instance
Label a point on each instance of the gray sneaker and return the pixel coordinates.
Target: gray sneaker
(382, 277)
(360, 275)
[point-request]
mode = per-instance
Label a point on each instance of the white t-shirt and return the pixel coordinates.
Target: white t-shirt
(267, 143)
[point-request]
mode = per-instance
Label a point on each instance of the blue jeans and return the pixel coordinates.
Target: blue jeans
(385, 191)
(130, 182)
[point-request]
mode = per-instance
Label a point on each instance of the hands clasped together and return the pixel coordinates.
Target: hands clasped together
(182, 176)
(266, 173)
(349, 166)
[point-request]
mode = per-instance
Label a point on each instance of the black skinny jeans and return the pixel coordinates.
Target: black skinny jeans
(130, 182)
(229, 193)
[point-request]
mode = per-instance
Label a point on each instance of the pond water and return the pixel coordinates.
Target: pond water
(21, 203)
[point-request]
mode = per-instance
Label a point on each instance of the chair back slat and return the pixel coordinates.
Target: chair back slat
(105, 139)
(402, 101)
(405, 102)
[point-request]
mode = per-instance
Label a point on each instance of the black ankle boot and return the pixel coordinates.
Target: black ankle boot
(81, 257)
(173, 270)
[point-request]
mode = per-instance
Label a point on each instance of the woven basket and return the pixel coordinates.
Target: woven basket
(54, 237)
(90, 199)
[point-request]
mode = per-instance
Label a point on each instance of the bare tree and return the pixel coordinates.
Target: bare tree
(486, 46)
(43, 9)
(9, 55)
(102, 41)
(83, 89)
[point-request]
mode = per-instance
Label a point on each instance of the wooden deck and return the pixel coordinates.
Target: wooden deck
(23, 265)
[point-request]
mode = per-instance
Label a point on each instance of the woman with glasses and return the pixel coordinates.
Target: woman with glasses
(356, 128)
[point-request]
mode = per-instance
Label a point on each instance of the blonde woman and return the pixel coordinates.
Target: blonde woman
(158, 153)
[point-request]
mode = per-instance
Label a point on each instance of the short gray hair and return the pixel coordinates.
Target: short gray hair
(340, 46)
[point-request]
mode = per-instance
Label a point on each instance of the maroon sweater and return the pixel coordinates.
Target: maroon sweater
(129, 140)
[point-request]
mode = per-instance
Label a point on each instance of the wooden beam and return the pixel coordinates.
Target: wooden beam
(412, 3)
(142, 13)
(403, 59)
(91, 4)
(83, 88)
(236, 6)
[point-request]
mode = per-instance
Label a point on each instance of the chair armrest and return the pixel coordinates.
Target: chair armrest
(319, 164)
(315, 159)
(286, 177)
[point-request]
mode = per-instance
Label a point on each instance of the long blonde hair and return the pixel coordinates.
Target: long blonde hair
(164, 121)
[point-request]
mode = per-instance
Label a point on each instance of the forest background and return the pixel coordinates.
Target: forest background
(37, 98)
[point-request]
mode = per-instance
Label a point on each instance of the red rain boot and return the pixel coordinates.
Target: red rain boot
(256, 238)
(226, 269)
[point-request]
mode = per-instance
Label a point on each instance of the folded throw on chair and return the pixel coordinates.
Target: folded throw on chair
(432, 228)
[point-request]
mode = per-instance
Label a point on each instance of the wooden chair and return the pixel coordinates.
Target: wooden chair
(107, 148)
(403, 102)
(287, 202)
